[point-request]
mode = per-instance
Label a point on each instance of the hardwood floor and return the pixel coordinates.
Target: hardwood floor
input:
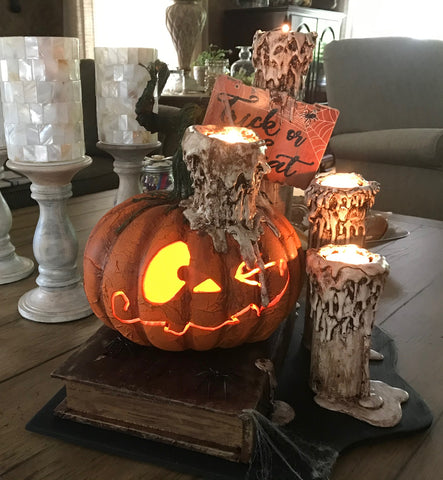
(410, 311)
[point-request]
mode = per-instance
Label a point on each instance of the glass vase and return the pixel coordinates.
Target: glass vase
(243, 67)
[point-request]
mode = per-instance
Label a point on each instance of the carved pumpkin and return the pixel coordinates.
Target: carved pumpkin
(159, 282)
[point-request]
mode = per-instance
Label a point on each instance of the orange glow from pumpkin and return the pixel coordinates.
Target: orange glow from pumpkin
(206, 286)
(160, 282)
(243, 276)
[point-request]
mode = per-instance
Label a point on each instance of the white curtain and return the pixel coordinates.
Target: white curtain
(78, 21)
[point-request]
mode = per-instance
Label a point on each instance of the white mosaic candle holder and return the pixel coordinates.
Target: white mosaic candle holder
(121, 76)
(41, 95)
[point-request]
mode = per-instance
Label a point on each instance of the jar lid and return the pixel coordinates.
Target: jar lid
(157, 164)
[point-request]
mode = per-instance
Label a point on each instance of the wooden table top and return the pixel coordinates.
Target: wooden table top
(410, 311)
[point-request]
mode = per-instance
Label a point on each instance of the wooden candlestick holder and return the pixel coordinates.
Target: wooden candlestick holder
(128, 164)
(59, 296)
(12, 266)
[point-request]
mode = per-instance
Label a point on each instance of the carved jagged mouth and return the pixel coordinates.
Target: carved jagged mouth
(233, 320)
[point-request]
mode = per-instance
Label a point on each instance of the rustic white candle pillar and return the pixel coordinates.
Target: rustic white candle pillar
(12, 266)
(121, 77)
(338, 204)
(345, 285)
(41, 96)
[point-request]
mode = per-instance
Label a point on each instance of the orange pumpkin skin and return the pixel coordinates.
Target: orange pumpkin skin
(130, 236)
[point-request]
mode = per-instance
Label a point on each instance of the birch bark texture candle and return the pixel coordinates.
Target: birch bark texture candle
(121, 76)
(41, 95)
(345, 284)
(337, 205)
(281, 59)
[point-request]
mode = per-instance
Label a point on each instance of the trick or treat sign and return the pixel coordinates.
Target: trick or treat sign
(296, 133)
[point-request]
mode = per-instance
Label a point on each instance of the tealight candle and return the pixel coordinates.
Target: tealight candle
(337, 205)
(345, 283)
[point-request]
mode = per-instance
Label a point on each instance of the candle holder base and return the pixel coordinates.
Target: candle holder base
(58, 305)
(60, 296)
(14, 268)
(128, 165)
(384, 411)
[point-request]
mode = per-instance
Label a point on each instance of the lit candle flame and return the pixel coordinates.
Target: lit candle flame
(233, 135)
(350, 254)
(285, 28)
(342, 180)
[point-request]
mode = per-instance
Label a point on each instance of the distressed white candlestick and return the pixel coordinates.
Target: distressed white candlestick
(128, 165)
(345, 283)
(12, 266)
(41, 96)
(60, 296)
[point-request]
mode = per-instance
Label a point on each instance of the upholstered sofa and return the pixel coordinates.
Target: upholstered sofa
(99, 176)
(390, 95)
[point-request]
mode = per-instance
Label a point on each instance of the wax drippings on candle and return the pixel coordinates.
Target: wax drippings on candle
(337, 215)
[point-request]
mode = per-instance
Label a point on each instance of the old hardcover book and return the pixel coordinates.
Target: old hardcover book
(195, 400)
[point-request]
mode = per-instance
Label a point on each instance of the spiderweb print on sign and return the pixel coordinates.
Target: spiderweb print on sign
(296, 133)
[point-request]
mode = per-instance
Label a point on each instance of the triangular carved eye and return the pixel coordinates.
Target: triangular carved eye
(208, 286)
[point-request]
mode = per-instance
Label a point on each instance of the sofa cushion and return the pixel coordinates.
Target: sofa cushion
(414, 147)
(383, 83)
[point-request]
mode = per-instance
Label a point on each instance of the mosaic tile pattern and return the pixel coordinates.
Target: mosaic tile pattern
(120, 81)
(2, 130)
(41, 95)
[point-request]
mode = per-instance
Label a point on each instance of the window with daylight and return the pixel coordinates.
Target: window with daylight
(387, 18)
(134, 23)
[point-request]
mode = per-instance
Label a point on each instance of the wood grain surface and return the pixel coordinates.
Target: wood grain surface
(410, 311)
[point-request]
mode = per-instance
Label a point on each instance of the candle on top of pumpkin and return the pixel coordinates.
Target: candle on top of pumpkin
(343, 180)
(231, 134)
(350, 254)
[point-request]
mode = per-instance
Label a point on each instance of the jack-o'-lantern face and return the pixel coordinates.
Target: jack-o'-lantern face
(161, 284)
(174, 275)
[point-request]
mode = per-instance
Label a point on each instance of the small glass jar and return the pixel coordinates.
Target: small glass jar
(214, 68)
(157, 173)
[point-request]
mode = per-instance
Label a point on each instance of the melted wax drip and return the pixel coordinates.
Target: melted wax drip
(226, 200)
(338, 215)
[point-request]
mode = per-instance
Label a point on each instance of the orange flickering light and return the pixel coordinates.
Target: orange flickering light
(343, 180)
(231, 134)
(350, 254)
(161, 283)
(285, 28)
